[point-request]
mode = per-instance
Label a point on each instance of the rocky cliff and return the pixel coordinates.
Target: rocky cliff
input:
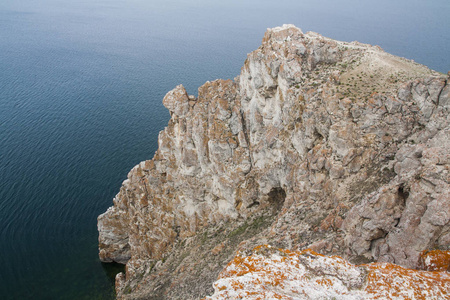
(334, 146)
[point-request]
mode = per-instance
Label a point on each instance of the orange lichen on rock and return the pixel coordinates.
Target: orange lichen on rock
(389, 281)
(435, 260)
(272, 273)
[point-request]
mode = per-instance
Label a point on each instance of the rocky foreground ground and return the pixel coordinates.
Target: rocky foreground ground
(337, 147)
(270, 273)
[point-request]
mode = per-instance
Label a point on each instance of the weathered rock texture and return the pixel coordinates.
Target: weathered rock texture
(270, 273)
(336, 146)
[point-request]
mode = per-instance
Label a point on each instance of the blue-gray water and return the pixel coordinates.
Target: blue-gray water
(81, 84)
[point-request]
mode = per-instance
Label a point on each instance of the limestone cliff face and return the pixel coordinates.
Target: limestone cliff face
(336, 146)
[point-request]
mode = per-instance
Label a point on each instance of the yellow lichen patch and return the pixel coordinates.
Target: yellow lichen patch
(272, 273)
(388, 281)
(435, 260)
(324, 281)
(236, 285)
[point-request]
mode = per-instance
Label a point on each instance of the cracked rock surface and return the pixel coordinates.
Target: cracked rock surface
(339, 147)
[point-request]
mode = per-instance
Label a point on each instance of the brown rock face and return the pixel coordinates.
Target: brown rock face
(318, 142)
(113, 242)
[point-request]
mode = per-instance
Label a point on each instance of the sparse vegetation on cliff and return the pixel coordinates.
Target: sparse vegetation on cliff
(339, 147)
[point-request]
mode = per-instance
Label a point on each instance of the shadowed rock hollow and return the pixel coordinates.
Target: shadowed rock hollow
(335, 146)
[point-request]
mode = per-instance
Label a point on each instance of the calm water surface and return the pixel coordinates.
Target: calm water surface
(81, 84)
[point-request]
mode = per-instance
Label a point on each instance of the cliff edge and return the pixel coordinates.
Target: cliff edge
(334, 146)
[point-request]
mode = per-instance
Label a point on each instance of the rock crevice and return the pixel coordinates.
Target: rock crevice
(318, 143)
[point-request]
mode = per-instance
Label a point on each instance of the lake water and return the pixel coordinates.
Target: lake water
(81, 85)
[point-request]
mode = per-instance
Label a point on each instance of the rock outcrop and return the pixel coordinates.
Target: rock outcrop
(318, 143)
(270, 273)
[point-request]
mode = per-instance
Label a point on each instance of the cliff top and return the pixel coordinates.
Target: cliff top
(334, 146)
